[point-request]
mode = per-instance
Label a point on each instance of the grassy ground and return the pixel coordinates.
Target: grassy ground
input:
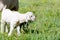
(47, 21)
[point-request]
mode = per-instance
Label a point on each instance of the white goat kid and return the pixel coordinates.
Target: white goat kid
(14, 19)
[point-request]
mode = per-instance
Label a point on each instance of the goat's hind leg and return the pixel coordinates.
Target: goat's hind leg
(2, 26)
(11, 29)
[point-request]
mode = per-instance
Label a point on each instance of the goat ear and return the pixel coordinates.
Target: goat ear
(27, 17)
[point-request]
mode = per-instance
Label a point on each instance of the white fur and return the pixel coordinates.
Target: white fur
(14, 18)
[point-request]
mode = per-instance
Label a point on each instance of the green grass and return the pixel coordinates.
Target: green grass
(47, 21)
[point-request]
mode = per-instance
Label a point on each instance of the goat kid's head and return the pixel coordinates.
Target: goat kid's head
(30, 16)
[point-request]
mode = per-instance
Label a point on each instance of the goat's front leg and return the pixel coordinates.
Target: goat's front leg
(18, 30)
(11, 29)
(6, 29)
